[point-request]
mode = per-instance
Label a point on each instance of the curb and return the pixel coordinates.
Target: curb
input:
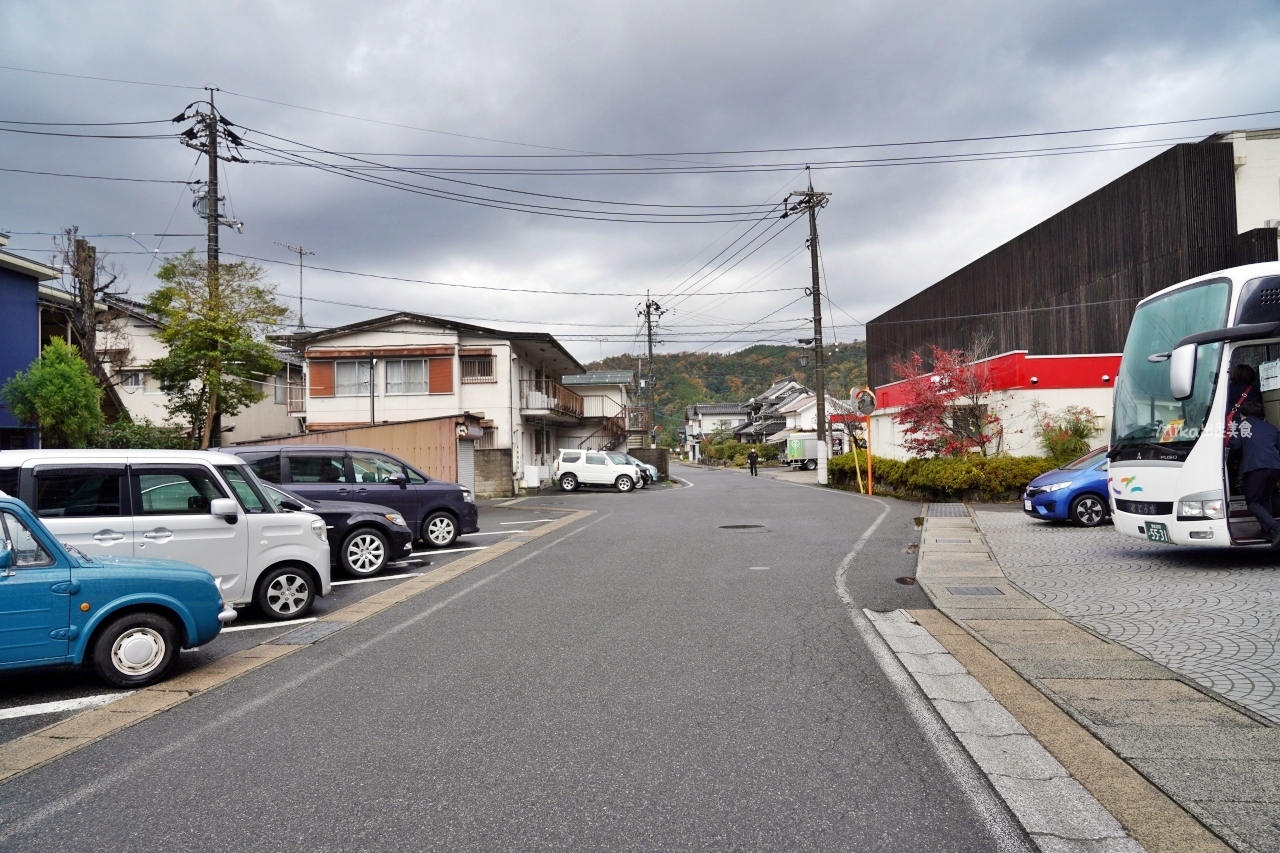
(35, 749)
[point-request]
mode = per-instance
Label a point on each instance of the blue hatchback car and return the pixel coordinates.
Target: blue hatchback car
(128, 616)
(1076, 492)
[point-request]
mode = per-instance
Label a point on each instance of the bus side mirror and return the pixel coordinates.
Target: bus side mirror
(1182, 371)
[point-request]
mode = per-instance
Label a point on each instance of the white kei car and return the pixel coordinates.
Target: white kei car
(576, 468)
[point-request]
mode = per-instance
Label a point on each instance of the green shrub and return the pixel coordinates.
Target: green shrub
(731, 450)
(125, 434)
(990, 478)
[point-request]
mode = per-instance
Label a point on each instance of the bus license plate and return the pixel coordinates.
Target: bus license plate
(1157, 532)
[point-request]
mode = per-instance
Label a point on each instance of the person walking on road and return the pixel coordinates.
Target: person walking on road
(752, 459)
(1259, 445)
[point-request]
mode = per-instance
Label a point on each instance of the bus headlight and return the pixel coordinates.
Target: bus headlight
(1195, 510)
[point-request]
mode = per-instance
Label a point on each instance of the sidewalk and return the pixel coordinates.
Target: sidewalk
(1190, 759)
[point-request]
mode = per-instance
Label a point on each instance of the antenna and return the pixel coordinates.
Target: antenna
(302, 327)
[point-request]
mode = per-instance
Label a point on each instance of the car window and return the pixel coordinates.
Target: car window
(368, 468)
(414, 476)
(596, 459)
(317, 469)
(244, 492)
(265, 465)
(571, 457)
(175, 491)
(78, 492)
(619, 459)
(9, 481)
(27, 550)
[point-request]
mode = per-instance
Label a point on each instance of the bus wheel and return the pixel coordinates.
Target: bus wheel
(1087, 511)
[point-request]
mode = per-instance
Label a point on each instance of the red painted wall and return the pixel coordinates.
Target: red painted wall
(1014, 370)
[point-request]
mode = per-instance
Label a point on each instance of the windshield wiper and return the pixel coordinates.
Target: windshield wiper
(1115, 451)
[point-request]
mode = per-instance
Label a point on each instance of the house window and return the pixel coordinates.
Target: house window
(478, 368)
(131, 381)
(281, 390)
(407, 376)
(352, 378)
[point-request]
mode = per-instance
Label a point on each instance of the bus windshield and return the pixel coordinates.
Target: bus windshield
(1147, 417)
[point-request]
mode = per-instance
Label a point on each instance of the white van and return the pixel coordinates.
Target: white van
(595, 468)
(201, 507)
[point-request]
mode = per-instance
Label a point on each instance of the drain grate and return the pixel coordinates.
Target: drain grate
(975, 590)
(952, 510)
(954, 541)
(740, 526)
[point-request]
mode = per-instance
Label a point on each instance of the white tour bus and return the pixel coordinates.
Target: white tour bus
(1169, 473)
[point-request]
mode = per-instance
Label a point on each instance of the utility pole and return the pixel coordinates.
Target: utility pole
(810, 201)
(649, 312)
(210, 124)
(302, 327)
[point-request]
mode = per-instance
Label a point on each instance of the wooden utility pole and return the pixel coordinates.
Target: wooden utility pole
(810, 201)
(650, 312)
(213, 222)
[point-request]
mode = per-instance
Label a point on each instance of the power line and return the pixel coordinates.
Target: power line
(94, 177)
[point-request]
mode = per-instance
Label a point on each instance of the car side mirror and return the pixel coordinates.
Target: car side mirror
(292, 506)
(400, 480)
(227, 508)
(1182, 371)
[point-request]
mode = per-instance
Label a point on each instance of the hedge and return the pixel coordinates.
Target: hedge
(731, 450)
(990, 478)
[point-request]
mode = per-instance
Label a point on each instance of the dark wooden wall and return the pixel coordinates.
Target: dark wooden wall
(1070, 284)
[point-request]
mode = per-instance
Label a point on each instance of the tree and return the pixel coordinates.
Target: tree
(215, 327)
(101, 335)
(59, 395)
(948, 410)
(1064, 434)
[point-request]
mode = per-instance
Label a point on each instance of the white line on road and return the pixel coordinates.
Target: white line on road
(1002, 826)
(285, 624)
(530, 521)
(379, 578)
(448, 551)
(104, 782)
(60, 707)
(490, 533)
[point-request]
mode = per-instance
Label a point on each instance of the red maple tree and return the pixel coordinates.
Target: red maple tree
(947, 410)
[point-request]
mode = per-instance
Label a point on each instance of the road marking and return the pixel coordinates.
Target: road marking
(102, 783)
(512, 501)
(1003, 827)
(490, 533)
(377, 579)
(448, 551)
(530, 521)
(757, 568)
(61, 707)
(286, 624)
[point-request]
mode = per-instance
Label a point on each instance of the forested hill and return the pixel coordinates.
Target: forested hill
(699, 377)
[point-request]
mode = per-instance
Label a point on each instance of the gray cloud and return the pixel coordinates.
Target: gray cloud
(622, 77)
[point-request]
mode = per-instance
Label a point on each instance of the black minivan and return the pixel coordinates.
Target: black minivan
(436, 510)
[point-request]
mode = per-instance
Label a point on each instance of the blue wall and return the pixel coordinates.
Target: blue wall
(19, 329)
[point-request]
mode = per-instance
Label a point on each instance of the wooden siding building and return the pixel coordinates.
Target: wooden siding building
(1069, 285)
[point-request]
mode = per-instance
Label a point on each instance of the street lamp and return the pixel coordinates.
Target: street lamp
(804, 356)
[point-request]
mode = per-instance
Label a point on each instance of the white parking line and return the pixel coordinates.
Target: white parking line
(268, 625)
(60, 707)
(493, 533)
(375, 580)
(448, 551)
(530, 521)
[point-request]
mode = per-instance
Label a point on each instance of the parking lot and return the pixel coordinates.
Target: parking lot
(1211, 615)
(35, 699)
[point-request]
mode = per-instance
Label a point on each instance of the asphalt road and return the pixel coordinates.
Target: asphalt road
(646, 679)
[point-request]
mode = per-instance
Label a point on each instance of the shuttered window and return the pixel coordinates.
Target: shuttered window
(321, 376)
(441, 375)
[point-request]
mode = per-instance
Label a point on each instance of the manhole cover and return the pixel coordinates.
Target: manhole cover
(740, 526)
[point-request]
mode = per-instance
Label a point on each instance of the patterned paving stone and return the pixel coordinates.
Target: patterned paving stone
(1210, 615)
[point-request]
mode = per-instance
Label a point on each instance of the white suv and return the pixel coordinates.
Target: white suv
(595, 468)
(201, 507)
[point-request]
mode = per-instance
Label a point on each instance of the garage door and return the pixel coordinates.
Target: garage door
(467, 464)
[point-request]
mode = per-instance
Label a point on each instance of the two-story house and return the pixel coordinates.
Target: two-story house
(20, 344)
(530, 395)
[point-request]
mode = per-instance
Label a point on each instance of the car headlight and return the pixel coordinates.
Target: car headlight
(1057, 487)
(1201, 509)
(468, 497)
(395, 519)
(317, 527)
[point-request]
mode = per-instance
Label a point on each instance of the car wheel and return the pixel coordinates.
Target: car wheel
(624, 483)
(569, 483)
(285, 593)
(1087, 511)
(811, 465)
(440, 530)
(365, 552)
(136, 649)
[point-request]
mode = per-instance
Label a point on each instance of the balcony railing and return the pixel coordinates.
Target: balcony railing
(296, 398)
(547, 395)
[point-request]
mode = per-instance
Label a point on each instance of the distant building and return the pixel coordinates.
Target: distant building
(702, 419)
(1069, 285)
(20, 344)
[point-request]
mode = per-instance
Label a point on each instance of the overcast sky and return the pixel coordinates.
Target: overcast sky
(543, 83)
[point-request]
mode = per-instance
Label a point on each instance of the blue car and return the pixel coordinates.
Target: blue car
(1076, 492)
(127, 617)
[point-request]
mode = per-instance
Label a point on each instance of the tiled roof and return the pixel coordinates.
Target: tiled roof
(719, 409)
